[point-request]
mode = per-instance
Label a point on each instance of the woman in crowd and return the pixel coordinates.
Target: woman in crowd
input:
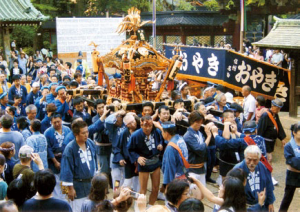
(11, 110)
(231, 195)
(29, 64)
(8, 150)
(260, 107)
(23, 125)
(177, 191)
(98, 193)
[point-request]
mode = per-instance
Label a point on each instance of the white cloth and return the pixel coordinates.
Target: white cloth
(76, 204)
(200, 177)
(249, 106)
(194, 190)
(57, 189)
(132, 183)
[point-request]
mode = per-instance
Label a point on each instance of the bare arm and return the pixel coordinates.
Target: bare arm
(207, 193)
(249, 116)
(226, 132)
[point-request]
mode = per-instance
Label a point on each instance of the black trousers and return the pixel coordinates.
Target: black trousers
(287, 198)
(211, 160)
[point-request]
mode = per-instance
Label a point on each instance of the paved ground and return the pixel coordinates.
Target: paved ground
(279, 173)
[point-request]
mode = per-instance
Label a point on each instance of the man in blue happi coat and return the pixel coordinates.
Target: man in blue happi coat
(103, 146)
(197, 146)
(96, 127)
(79, 165)
(3, 101)
(258, 178)
(78, 104)
(50, 98)
(17, 88)
(34, 94)
(173, 164)
(46, 122)
(62, 102)
(121, 154)
(41, 103)
(55, 136)
(114, 125)
(144, 148)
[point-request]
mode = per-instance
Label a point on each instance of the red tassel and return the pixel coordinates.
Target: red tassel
(132, 84)
(170, 85)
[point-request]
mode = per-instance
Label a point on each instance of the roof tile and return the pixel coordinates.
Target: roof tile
(284, 34)
(19, 10)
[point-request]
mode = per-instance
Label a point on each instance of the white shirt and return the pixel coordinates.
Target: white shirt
(276, 58)
(249, 106)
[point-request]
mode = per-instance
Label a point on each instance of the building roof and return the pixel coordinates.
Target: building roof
(284, 35)
(19, 11)
(187, 18)
(297, 16)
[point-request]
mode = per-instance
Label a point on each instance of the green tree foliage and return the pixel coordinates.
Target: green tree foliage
(212, 5)
(24, 35)
(185, 5)
(99, 7)
(53, 8)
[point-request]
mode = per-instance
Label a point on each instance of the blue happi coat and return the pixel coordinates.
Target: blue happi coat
(46, 123)
(41, 108)
(172, 165)
(240, 144)
(84, 115)
(97, 126)
(50, 98)
(55, 144)
(140, 145)
(197, 149)
(62, 108)
(31, 97)
(75, 169)
(113, 133)
(121, 150)
(39, 144)
(292, 178)
(13, 91)
(26, 133)
(20, 110)
(256, 182)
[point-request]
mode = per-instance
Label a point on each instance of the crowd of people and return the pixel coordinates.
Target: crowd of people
(59, 153)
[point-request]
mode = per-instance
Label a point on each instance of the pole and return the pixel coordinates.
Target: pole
(242, 26)
(154, 23)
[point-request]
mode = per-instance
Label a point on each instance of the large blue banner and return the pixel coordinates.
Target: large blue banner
(232, 70)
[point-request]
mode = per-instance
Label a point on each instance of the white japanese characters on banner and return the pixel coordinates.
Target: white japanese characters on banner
(233, 69)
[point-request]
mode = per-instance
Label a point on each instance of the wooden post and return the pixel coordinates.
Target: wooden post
(242, 26)
(6, 42)
(293, 99)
